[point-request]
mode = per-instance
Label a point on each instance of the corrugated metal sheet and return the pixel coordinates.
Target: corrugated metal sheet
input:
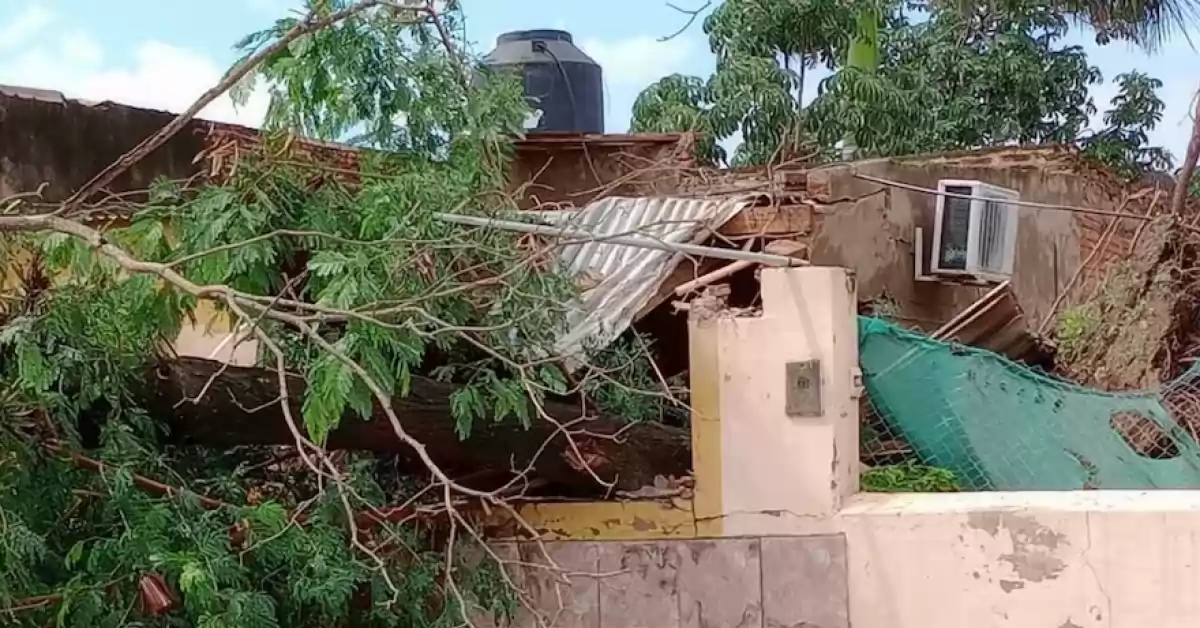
(620, 279)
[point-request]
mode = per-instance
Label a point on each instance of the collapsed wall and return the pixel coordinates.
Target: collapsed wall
(1121, 331)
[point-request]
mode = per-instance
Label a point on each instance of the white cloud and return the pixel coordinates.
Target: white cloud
(28, 23)
(160, 76)
(79, 49)
(631, 65)
(638, 61)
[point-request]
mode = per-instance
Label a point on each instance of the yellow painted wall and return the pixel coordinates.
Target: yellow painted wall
(207, 337)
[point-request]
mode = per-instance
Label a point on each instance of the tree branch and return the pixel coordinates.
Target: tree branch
(1183, 180)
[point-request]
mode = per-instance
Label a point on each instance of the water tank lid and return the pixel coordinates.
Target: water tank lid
(544, 34)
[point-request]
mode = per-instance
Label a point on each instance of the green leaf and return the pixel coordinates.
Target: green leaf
(75, 554)
(466, 406)
(330, 385)
(553, 378)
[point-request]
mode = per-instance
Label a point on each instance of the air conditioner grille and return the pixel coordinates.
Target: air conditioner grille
(956, 229)
(991, 235)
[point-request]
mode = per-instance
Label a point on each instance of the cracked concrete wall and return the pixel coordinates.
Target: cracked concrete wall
(1082, 559)
(775, 537)
(774, 582)
(871, 227)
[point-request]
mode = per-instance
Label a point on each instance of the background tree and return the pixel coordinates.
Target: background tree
(1147, 23)
(763, 49)
(1123, 144)
(947, 77)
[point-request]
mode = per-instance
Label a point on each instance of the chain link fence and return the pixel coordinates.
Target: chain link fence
(940, 416)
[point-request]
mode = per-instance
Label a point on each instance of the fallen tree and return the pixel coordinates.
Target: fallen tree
(354, 282)
(218, 405)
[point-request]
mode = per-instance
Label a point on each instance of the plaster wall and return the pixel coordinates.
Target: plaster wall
(776, 492)
(210, 337)
(207, 334)
(871, 227)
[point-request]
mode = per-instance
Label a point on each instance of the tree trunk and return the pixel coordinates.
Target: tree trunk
(1183, 180)
(240, 407)
(863, 56)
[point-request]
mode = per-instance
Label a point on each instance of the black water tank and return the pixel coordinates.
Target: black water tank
(561, 82)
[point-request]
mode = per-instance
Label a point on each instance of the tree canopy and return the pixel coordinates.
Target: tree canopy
(948, 76)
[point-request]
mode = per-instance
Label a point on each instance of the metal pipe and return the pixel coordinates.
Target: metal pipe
(624, 240)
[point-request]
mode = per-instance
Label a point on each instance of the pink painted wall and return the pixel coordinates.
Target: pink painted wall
(786, 542)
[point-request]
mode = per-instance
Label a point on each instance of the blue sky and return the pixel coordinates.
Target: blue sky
(164, 53)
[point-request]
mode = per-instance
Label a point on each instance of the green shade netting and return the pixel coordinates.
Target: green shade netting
(999, 425)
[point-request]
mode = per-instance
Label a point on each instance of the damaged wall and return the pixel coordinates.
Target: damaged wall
(575, 170)
(870, 227)
(786, 524)
(45, 137)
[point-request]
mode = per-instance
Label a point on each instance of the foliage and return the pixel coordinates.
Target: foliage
(950, 82)
(908, 477)
(949, 77)
(1123, 144)
(678, 103)
(333, 272)
(764, 49)
(1076, 329)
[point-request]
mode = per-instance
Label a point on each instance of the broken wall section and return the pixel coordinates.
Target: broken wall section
(1116, 334)
(870, 227)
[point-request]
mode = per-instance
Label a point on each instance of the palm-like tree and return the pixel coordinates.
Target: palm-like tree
(1147, 23)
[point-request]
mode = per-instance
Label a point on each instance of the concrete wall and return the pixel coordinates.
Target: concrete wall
(1064, 560)
(775, 490)
(869, 227)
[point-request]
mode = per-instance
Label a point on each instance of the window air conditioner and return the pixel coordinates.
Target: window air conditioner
(977, 236)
